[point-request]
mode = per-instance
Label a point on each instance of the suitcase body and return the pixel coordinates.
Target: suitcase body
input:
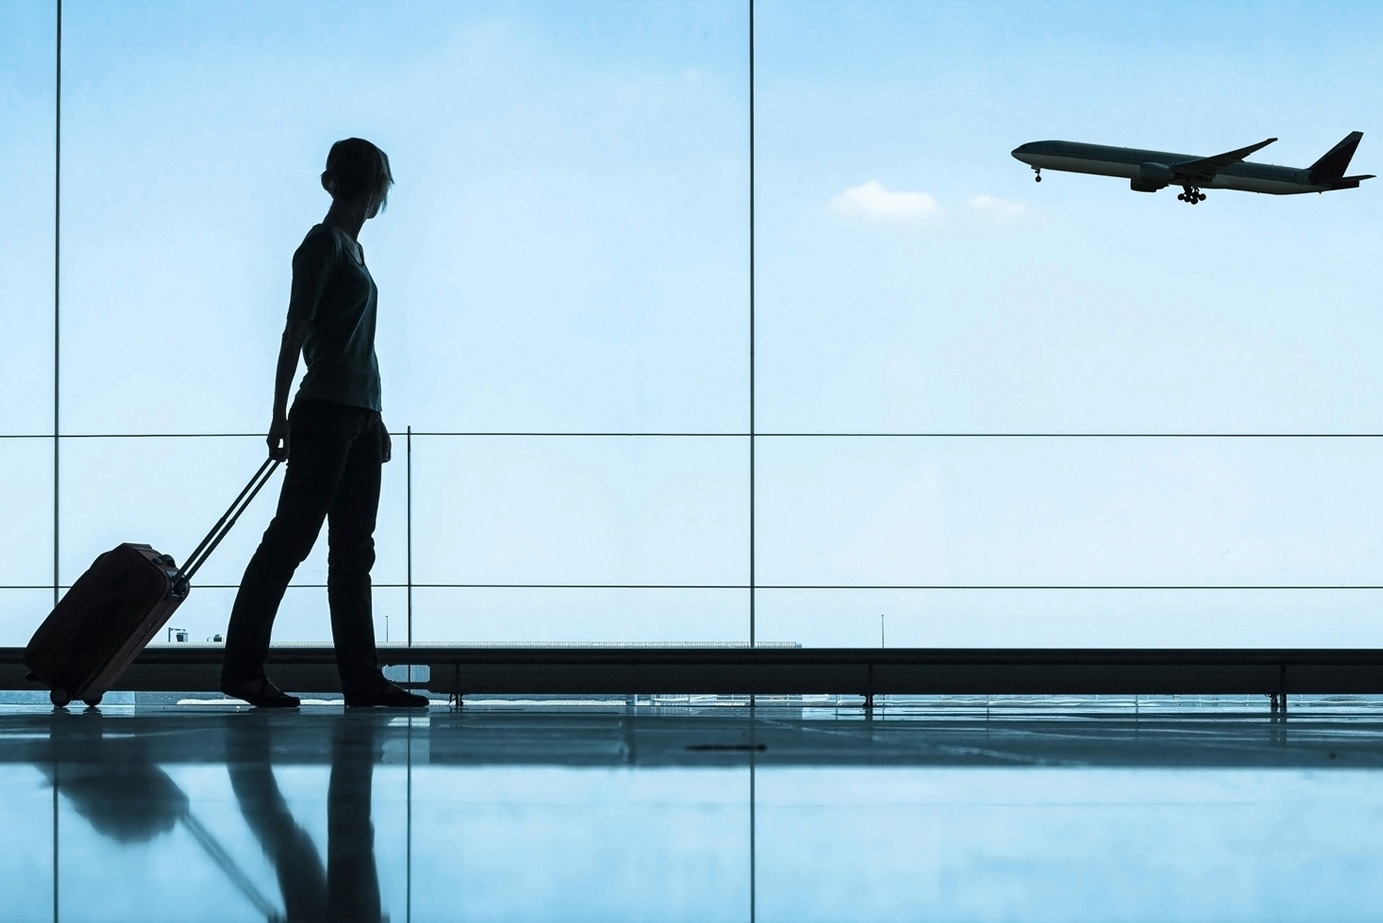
(117, 607)
(108, 616)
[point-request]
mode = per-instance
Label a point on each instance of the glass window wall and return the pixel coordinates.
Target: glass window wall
(967, 389)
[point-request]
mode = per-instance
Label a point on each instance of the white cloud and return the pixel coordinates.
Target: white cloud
(997, 206)
(872, 200)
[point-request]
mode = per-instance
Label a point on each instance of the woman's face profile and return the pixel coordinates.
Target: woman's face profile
(372, 206)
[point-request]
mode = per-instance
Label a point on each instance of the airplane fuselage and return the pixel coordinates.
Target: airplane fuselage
(1137, 164)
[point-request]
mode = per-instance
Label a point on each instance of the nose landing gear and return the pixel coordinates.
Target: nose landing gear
(1038, 171)
(1192, 195)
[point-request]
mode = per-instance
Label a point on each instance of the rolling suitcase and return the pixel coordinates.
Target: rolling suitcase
(116, 608)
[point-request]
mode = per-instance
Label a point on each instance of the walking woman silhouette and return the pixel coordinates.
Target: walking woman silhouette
(334, 442)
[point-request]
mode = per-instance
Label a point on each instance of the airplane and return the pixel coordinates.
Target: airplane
(1149, 171)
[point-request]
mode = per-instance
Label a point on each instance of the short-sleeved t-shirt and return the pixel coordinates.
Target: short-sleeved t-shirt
(334, 292)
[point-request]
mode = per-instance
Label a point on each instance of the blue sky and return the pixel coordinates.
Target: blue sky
(567, 251)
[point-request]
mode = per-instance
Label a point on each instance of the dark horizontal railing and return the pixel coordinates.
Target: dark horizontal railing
(782, 670)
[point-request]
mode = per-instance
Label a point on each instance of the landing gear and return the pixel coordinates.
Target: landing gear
(1191, 195)
(1038, 171)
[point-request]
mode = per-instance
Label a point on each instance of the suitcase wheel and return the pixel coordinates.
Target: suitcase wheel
(59, 697)
(93, 701)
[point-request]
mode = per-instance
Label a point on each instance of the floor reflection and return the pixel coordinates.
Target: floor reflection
(111, 780)
(348, 888)
(205, 814)
(121, 792)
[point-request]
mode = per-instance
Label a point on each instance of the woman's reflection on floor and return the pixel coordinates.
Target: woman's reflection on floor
(348, 889)
(119, 788)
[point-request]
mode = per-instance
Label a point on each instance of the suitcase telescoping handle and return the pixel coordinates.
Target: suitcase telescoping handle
(223, 525)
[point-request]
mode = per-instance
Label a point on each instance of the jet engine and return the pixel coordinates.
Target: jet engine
(1140, 186)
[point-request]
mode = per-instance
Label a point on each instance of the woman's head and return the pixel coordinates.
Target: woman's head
(357, 168)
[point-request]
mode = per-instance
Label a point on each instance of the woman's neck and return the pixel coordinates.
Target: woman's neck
(348, 217)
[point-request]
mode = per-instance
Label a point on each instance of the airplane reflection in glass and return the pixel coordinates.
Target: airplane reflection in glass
(1149, 171)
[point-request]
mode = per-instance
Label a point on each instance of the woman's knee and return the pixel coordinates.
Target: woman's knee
(289, 542)
(353, 554)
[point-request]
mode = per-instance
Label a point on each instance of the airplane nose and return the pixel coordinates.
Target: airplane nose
(1020, 150)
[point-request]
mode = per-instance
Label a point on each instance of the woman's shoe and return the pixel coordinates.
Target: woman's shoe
(259, 692)
(387, 696)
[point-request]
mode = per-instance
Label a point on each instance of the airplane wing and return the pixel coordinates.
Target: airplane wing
(1208, 166)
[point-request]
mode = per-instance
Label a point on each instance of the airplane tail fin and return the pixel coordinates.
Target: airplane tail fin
(1332, 166)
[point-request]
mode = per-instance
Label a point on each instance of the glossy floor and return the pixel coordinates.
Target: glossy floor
(208, 813)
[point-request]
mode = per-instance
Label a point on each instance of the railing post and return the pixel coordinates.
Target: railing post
(408, 530)
(57, 315)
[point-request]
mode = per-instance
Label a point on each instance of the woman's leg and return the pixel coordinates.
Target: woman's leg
(350, 555)
(320, 441)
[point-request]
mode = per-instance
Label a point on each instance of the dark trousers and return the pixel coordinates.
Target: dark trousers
(335, 454)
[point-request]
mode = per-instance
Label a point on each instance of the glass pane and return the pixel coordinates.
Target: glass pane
(912, 277)
(565, 247)
(28, 60)
(997, 513)
(581, 511)
(26, 547)
(303, 616)
(1072, 618)
(168, 493)
(541, 616)
(21, 612)
(1002, 512)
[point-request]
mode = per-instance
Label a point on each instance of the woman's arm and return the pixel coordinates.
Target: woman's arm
(312, 265)
(290, 347)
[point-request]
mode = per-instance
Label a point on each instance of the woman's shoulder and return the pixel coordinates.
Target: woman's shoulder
(320, 241)
(322, 232)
